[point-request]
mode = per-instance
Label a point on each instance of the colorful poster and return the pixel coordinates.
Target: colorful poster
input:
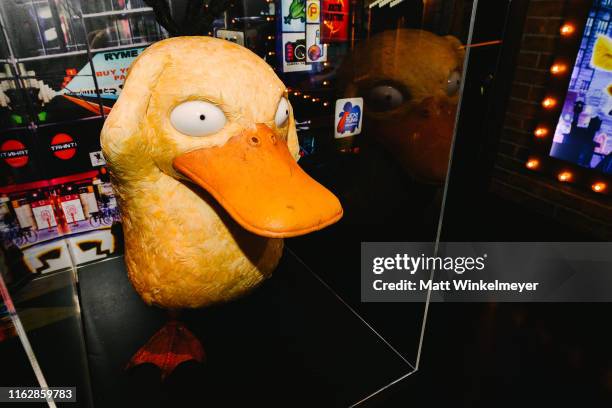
(68, 194)
(293, 14)
(583, 135)
(71, 96)
(335, 21)
(111, 69)
(349, 116)
(294, 52)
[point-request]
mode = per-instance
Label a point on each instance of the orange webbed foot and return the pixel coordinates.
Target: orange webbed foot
(172, 345)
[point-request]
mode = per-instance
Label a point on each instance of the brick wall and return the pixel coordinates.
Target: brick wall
(570, 205)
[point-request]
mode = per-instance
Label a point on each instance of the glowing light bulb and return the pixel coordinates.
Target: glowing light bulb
(565, 176)
(541, 132)
(532, 164)
(567, 29)
(599, 187)
(549, 102)
(325, 82)
(558, 69)
(325, 103)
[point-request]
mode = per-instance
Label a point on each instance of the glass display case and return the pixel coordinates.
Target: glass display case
(413, 113)
(41, 335)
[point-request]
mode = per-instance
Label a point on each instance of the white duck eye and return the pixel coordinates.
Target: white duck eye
(383, 98)
(197, 118)
(453, 82)
(282, 113)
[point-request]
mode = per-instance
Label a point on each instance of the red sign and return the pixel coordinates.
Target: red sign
(69, 197)
(39, 203)
(63, 146)
(14, 153)
(335, 21)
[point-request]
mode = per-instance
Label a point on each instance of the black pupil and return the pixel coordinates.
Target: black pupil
(202, 117)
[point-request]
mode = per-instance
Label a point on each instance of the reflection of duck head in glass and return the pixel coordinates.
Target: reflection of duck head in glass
(409, 80)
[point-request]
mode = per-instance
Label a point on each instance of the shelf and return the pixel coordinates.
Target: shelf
(118, 12)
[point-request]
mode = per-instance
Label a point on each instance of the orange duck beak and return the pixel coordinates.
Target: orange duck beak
(257, 181)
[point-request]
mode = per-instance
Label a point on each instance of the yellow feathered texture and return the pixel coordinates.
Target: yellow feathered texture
(182, 250)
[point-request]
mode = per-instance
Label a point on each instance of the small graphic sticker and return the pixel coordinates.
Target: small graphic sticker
(313, 11)
(293, 15)
(316, 50)
(97, 159)
(294, 52)
(231, 35)
(348, 117)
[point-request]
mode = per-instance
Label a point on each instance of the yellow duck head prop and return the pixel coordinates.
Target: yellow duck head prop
(202, 150)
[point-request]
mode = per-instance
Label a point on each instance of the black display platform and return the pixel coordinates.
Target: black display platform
(292, 342)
